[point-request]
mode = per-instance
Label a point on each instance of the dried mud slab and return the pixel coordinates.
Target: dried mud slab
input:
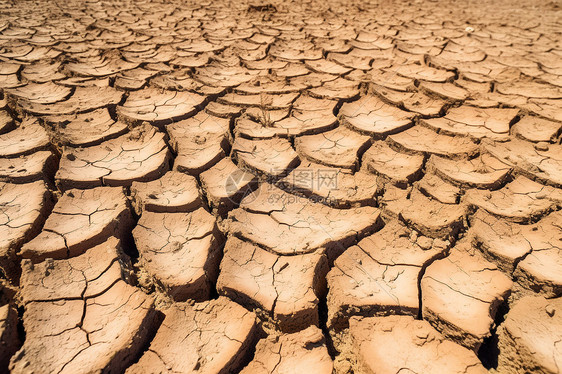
(28, 137)
(338, 89)
(529, 338)
(519, 201)
(530, 252)
(159, 107)
(41, 72)
(25, 169)
(540, 161)
(337, 148)
(9, 339)
(500, 241)
(327, 66)
(140, 155)
(287, 288)
(531, 89)
(390, 79)
(23, 209)
(433, 186)
(420, 139)
(225, 184)
(536, 129)
(293, 51)
(549, 109)
(268, 85)
(267, 156)
(266, 101)
(400, 343)
(350, 61)
(87, 275)
(461, 294)
(210, 337)
(429, 216)
(85, 129)
(417, 102)
(80, 316)
(181, 81)
(426, 73)
(174, 192)
(199, 142)
(80, 220)
(261, 125)
(180, 252)
(304, 351)
(224, 76)
(372, 116)
(484, 171)
(6, 120)
(399, 168)
(40, 93)
(223, 110)
(83, 99)
(134, 79)
(308, 116)
(288, 224)
(474, 122)
(449, 91)
(105, 65)
(332, 186)
(9, 81)
(379, 276)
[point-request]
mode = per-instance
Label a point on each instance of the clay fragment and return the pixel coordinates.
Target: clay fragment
(25, 169)
(80, 220)
(85, 129)
(420, 139)
(461, 294)
(372, 116)
(530, 252)
(332, 186)
(529, 336)
(273, 157)
(28, 137)
(399, 168)
(379, 276)
(9, 339)
(179, 252)
(209, 337)
(24, 208)
(80, 314)
(225, 184)
(174, 192)
(397, 343)
(301, 351)
(519, 201)
(297, 225)
(541, 161)
(337, 148)
(484, 171)
(199, 142)
(140, 155)
(286, 287)
(159, 107)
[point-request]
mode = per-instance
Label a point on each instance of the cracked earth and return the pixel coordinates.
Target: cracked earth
(280, 187)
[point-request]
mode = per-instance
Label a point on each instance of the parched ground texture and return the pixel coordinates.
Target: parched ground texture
(280, 187)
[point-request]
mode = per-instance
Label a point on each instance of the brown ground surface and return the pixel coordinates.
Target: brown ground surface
(280, 186)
